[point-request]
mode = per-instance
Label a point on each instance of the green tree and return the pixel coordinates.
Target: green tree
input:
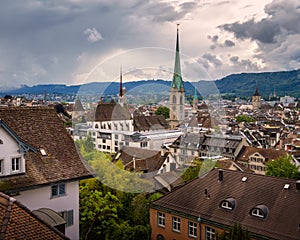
(163, 110)
(283, 167)
(98, 210)
(198, 168)
(237, 232)
(244, 118)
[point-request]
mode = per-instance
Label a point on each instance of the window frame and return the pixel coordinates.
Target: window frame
(193, 229)
(68, 216)
(161, 219)
(255, 212)
(176, 224)
(14, 164)
(1, 166)
(60, 190)
(210, 233)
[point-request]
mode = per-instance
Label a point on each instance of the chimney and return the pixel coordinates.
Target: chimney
(298, 185)
(221, 175)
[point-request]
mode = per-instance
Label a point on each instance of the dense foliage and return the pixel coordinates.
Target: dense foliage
(237, 232)
(244, 118)
(110, 205)
(283, 167)
(163, 110)
(198, 168)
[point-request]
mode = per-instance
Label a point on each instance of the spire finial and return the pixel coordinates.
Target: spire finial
(121, 88)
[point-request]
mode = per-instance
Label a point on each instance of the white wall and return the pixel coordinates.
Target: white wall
(8, 150)
(41, 198)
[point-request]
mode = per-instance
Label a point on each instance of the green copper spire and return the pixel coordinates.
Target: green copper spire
(177, 78)
(195, 94)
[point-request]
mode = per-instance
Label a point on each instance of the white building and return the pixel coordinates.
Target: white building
(39, 163)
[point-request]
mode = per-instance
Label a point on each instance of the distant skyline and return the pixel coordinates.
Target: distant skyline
(79, 41)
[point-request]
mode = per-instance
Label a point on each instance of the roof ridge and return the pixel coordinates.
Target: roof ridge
(10, 202)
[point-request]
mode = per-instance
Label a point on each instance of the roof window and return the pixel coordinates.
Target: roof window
(260, 211)
(43, 152)
(228, 203)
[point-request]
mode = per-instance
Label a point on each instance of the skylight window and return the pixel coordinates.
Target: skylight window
(43, 152)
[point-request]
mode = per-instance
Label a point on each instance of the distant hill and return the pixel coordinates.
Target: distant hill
(243, 84)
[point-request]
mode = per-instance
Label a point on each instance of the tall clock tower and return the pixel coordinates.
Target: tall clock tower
(177, 95)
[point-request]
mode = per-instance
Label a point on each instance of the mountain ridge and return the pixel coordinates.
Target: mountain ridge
(239, 85)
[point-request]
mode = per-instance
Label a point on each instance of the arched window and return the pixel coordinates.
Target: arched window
(260, 211)
(228, 203)
(174, 99)
(1, 141)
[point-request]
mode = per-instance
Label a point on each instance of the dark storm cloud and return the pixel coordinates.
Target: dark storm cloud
(283, 19)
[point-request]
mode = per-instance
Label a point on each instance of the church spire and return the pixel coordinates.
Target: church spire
(121, 88)
(177, 78)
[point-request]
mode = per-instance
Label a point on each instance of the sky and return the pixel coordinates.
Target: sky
(79, 41)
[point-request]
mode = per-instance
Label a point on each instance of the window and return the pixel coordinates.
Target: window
(260, 211)
(116, 136)
(192, 229)
(228, 203)
(15, 164)
(210, 233)
(174, 99)
(176, 224)
(1, 166)
(58, 190)
(69, 217)
(108, 147)
(143, 144)
(103, 140)
(161, 218)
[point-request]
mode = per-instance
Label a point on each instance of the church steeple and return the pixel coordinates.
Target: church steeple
(121, 87)
(177, 96)
(177, 78)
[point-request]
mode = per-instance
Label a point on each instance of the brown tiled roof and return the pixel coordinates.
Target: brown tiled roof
(111, 112)
(18, 222)
(146, 123)
(41, 128)
(267, 153)
(146, 160)
(282, 221)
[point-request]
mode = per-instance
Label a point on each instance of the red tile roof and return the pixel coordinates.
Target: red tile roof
(18, 222)
(41, 128)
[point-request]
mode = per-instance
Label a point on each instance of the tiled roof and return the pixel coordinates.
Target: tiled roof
(202, 197)
(111, 112)
(18, 222)
(41, 128)
(145, 159)
(146, 123)
(267, 153)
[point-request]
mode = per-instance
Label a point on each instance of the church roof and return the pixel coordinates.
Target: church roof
(177, 78)
(111, 112)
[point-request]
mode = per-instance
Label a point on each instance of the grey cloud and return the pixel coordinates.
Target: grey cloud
(228, 43)
(263, 31)
(212, 59)
(283, 18)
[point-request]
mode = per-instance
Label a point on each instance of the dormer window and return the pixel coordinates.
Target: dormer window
(1, 141)
(260, 211)
(228, 204)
